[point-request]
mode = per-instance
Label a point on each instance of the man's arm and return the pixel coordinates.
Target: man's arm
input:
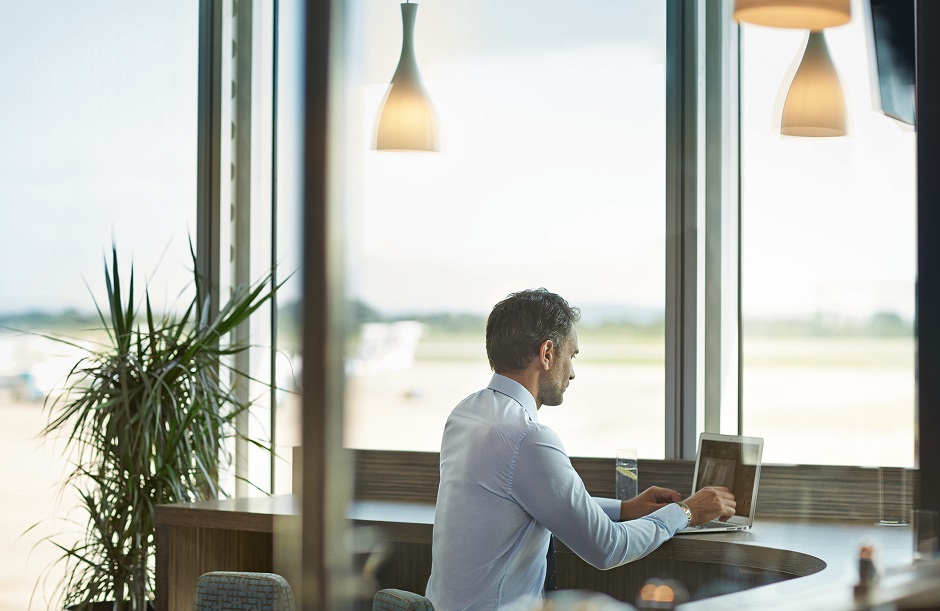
(547, 487)
(647, 502)
(709, 503)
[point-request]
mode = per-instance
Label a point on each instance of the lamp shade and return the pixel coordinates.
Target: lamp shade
(815, 105)
(799, 14)
(406, 119)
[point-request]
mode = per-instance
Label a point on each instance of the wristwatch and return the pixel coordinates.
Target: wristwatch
(688, 512)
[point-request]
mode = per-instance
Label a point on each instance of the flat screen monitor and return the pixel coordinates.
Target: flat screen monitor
(891, 54)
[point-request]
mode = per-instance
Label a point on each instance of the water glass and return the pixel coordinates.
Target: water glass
(894, 495)
(925, 530)
(626, 483)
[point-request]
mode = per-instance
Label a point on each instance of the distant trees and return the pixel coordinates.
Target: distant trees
(36, 319)
(880, 324)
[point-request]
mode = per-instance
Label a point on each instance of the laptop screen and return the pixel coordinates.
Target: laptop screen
(732, 462)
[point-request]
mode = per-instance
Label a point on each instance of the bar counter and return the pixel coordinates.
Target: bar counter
(779, 564)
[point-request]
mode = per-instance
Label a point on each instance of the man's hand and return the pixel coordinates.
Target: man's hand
(647, 502)
(709, 503)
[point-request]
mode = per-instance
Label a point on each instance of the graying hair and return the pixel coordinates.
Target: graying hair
(521, 322)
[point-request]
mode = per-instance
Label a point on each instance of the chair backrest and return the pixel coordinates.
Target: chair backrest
(391, 599)
(243, 591)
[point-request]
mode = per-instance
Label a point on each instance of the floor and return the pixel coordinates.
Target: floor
(31, 470)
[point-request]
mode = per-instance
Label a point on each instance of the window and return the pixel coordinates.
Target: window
(828, 256)
(552, 174)
(98, 118)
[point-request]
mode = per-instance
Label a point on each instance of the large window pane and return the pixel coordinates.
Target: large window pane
(828, 255)
(552, 174)
(98, 124)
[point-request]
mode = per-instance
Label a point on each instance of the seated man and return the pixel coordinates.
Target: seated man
(507, 483)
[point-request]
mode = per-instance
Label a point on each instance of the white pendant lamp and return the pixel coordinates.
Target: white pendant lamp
(406, 119)
(798, 14)
(815, 105)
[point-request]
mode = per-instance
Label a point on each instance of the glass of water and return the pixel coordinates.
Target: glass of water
(626, 486)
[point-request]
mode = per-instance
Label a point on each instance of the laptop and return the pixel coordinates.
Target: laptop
(734, 462)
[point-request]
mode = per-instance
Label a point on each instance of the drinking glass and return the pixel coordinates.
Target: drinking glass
(924, 525)
(894, 495)
(626, 485)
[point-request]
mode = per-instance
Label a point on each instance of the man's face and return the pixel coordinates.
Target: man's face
(555, 381)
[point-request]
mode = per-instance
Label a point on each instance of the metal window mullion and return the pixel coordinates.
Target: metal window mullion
(739, 303)
(681, 226)
(722, 251)
(209, 154)
(241, 217)
(272, 355)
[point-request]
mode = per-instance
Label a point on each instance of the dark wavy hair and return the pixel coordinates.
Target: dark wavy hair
(519, 324)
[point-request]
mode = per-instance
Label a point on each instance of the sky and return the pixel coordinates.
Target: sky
(97, 113)
(551, 174)
(832, 220)
(575, 129)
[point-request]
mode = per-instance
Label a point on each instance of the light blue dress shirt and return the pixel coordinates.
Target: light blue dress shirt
(506, 485)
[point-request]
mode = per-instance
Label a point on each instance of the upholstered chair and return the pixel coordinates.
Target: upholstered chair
(391, 599)
(243, 591)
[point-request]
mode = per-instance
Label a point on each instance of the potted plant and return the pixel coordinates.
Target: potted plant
(147, 416)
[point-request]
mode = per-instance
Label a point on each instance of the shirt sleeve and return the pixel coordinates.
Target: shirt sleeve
(548, 488)
(610, 506)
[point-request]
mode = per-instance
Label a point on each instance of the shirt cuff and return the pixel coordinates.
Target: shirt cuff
(673, 517)
(611, 507)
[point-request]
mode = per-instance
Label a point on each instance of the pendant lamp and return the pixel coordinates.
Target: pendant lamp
(798, 14)
(815, 105)
(406, 119)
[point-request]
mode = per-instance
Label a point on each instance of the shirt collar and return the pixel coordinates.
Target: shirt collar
(517, 392)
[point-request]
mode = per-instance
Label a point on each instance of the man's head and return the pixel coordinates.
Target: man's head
(534, 325)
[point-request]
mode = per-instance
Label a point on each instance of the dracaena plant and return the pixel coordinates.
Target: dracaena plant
(147, 415)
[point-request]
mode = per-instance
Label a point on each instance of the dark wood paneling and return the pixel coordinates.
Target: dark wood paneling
(408, 568)
(786, 491)
(393, 476)
(218, 535)
(834, 492)
(187, 552)
(598, 474)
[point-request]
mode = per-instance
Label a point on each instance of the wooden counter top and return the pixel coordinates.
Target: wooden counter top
(252, 514)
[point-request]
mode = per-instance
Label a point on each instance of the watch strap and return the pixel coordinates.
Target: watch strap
(688, 512)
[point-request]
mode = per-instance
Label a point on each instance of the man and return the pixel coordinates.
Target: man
(507, 483)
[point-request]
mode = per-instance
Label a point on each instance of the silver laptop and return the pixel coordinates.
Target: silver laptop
(733, 462)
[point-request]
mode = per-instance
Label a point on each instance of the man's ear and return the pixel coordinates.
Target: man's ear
(546, 354)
